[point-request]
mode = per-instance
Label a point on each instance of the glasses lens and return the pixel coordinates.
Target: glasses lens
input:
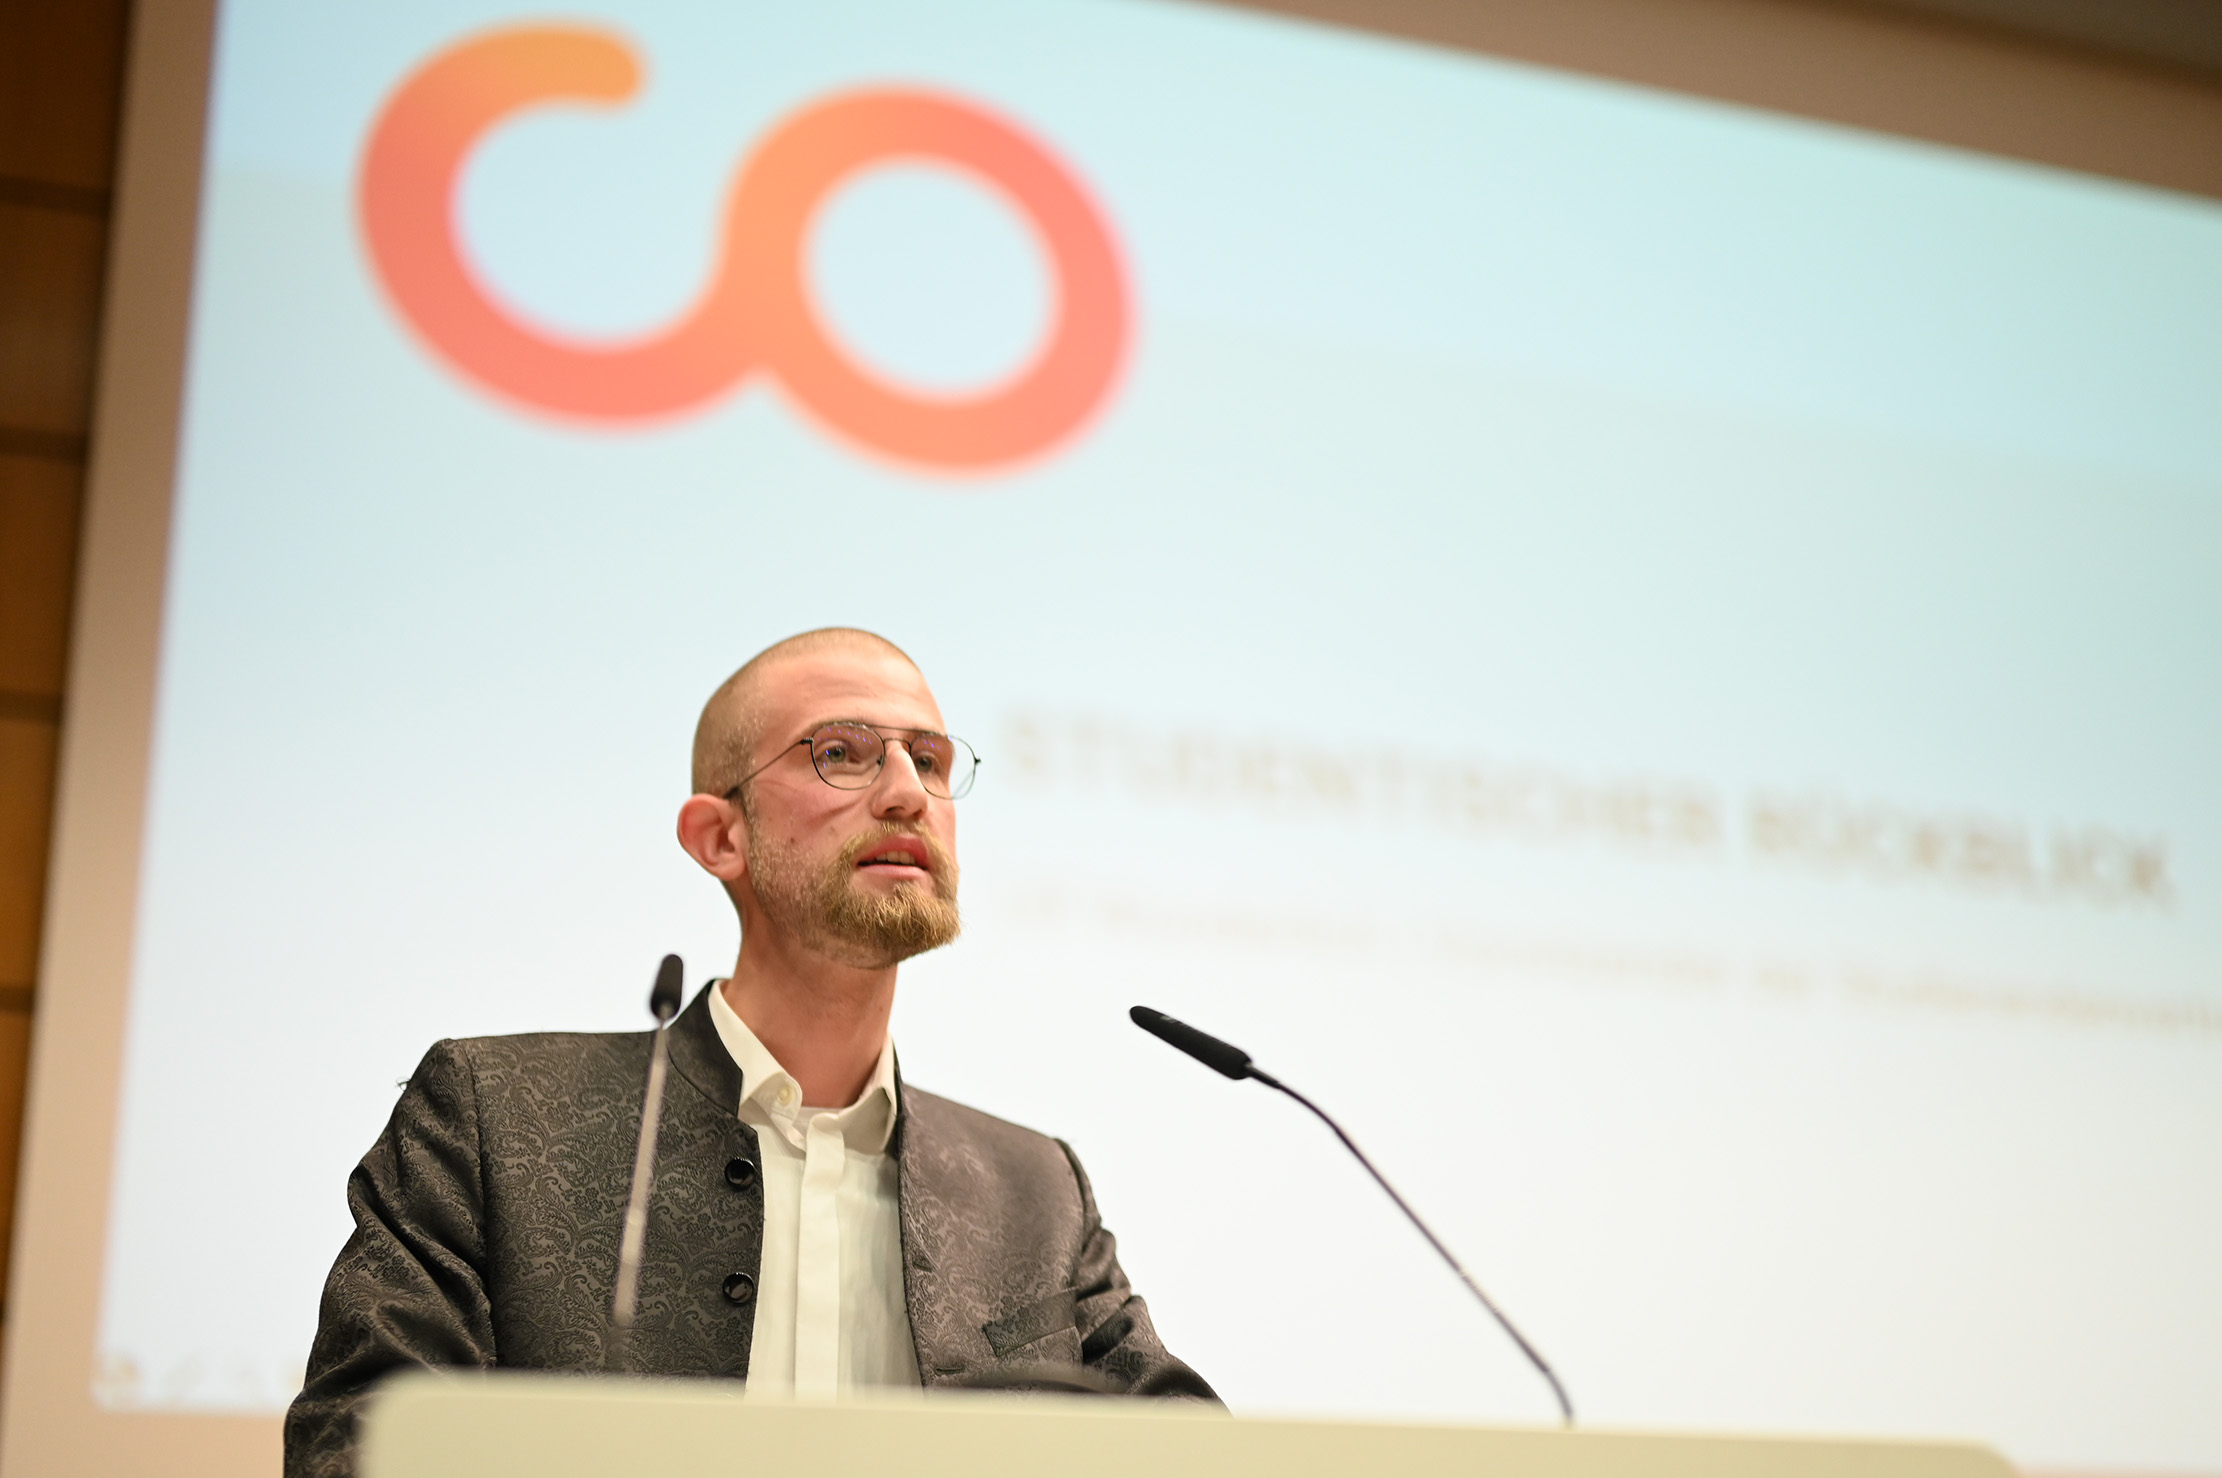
(847, 755)
(945, 765)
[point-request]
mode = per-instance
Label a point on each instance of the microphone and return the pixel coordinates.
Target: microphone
(663, 1004)
(1231, 1061)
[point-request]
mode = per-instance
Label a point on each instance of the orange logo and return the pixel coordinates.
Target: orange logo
(757, 311)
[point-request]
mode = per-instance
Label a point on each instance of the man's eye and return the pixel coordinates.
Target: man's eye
(835, 754)
(927, 762)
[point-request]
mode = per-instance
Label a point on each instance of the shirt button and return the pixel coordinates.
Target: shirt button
(786, 1095)
(740, 1288)
(740, 1171)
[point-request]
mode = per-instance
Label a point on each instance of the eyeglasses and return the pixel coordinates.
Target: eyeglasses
(848, 754)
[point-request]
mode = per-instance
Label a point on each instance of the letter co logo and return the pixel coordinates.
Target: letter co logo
(756, 313)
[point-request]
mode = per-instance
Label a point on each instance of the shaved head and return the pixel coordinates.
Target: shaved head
(732, 722)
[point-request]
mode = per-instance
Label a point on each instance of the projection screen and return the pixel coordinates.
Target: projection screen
(1657, 658)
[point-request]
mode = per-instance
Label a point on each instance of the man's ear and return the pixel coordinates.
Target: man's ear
(715, 833)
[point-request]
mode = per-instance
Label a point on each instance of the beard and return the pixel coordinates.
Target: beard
(822, 905)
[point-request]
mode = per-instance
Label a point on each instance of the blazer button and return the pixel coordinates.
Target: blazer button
(740, 1172)
(740, 1288)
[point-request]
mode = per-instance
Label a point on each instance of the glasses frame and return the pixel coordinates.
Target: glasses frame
(881, 732)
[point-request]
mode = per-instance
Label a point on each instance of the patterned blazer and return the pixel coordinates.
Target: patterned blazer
(487, 1219)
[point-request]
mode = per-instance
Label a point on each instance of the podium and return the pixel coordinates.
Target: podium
(510, 1425)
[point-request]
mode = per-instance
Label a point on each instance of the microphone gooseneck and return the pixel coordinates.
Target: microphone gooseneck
(1231, 1061)
(663, 1003)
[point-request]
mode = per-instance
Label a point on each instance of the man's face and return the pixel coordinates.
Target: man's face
(867, 877)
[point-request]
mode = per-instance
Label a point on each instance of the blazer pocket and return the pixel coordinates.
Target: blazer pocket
(1037, 1320)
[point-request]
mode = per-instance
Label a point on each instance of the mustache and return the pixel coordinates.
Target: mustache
(943, 865)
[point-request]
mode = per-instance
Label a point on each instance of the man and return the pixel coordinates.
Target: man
(817, 1224)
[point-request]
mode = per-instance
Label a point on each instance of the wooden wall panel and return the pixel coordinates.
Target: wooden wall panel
(39, 500)
(39, 503)
(61, 69)
(61, 77)
(50, 266)
(15, 1061)
(49, 1421)
(26, 811)
(27, 751)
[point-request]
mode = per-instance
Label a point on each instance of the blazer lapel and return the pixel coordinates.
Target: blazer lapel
(699, 1054)
(937, 1271)
(706, 1214)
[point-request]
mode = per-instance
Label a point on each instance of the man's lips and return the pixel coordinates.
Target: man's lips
(898, 854)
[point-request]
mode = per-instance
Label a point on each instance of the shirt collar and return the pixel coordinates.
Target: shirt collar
(866, 1125)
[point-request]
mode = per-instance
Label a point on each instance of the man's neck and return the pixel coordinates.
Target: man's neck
(825, 1022)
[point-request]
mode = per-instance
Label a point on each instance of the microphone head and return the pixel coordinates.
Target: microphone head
(663, 1000)
(1221, 1057)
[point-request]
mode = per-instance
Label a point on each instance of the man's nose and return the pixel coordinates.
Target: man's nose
(899, 793)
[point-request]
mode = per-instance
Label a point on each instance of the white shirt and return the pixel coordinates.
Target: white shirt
(830, 1313)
